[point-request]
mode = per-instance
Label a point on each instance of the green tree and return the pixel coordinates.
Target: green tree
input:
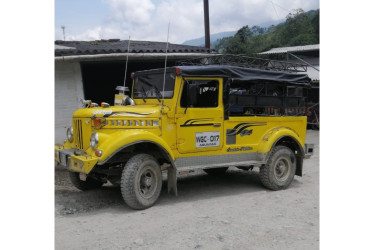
(244, 34)
(300, 28)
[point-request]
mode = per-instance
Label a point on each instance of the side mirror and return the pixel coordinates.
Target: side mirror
(192, 94)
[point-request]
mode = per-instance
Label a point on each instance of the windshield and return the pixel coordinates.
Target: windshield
(149, 86)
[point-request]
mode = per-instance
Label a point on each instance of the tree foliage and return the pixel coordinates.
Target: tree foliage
(300, 28)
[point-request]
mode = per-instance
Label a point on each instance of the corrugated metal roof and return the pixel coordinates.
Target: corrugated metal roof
(115, 46)
(313, 74)
(58, 47)
(293, 49)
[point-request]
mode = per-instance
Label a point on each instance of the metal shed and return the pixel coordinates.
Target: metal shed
(308, 54)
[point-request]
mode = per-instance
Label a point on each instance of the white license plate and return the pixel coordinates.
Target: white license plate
(207, 139)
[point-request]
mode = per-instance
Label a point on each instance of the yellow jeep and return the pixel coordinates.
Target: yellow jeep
(184, 118)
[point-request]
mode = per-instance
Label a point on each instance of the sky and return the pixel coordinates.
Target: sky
(148, 19)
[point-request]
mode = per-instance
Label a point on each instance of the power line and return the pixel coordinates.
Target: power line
(275, 10)
(288, 11)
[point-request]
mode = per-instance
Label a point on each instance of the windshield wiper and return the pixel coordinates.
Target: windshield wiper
(144, 94)
(159, 96)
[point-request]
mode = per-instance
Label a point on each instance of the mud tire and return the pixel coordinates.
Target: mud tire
(141, 181)
(279, 171)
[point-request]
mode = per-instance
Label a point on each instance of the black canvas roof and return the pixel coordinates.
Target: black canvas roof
(244, 74)
(70, 48)
(240, 74)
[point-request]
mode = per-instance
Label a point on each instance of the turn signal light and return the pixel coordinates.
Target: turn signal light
(98, 121)
(104, 105)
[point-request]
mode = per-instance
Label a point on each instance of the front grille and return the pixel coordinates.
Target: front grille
(78, 133)
(82, 131)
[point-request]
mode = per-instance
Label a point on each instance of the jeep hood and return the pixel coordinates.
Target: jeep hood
(119, 111)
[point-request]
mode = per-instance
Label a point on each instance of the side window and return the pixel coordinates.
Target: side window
(200, 94)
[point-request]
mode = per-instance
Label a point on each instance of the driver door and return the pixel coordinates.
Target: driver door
(200, 116)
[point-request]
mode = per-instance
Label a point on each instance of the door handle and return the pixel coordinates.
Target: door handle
(216, 124)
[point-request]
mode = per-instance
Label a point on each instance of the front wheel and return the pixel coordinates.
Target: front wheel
(280, 169)
(141, 181)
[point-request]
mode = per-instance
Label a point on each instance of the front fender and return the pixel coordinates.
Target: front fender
(273, 135)
(118, 140)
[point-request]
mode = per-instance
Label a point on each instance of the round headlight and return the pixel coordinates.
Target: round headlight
(69, 134)
(94, 140)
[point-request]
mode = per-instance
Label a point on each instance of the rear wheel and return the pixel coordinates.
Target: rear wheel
(280, 169)
(216, 171)
(141, 181)
(87, 184)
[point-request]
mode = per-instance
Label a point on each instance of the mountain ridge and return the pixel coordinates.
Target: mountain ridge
(214, 38)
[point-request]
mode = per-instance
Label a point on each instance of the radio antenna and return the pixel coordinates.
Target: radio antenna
(63, 31)
(127, 59)
(166, 58)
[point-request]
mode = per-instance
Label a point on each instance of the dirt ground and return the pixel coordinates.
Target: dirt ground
(233, 211)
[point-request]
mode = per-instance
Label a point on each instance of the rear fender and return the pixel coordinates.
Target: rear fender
(274, 135)
(287, 137)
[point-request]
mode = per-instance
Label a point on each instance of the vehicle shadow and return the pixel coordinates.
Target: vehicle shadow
(191, 188)
(204, 186)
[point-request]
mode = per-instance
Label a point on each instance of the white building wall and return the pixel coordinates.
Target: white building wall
(68, 93)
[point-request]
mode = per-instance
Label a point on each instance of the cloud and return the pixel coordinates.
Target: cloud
(148, 20)
(143, 20)
(91, 34)
(138, 12)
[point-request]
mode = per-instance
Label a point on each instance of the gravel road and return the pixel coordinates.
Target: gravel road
(233, 211)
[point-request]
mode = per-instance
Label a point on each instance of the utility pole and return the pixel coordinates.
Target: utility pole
(206, 22)
(63, 31)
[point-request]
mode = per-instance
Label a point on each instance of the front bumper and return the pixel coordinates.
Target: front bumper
(75, 160)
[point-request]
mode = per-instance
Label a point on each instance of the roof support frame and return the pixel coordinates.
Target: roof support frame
(298, 58)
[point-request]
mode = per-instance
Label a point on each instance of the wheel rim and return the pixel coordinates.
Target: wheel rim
(282, 169)
(147, 182)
